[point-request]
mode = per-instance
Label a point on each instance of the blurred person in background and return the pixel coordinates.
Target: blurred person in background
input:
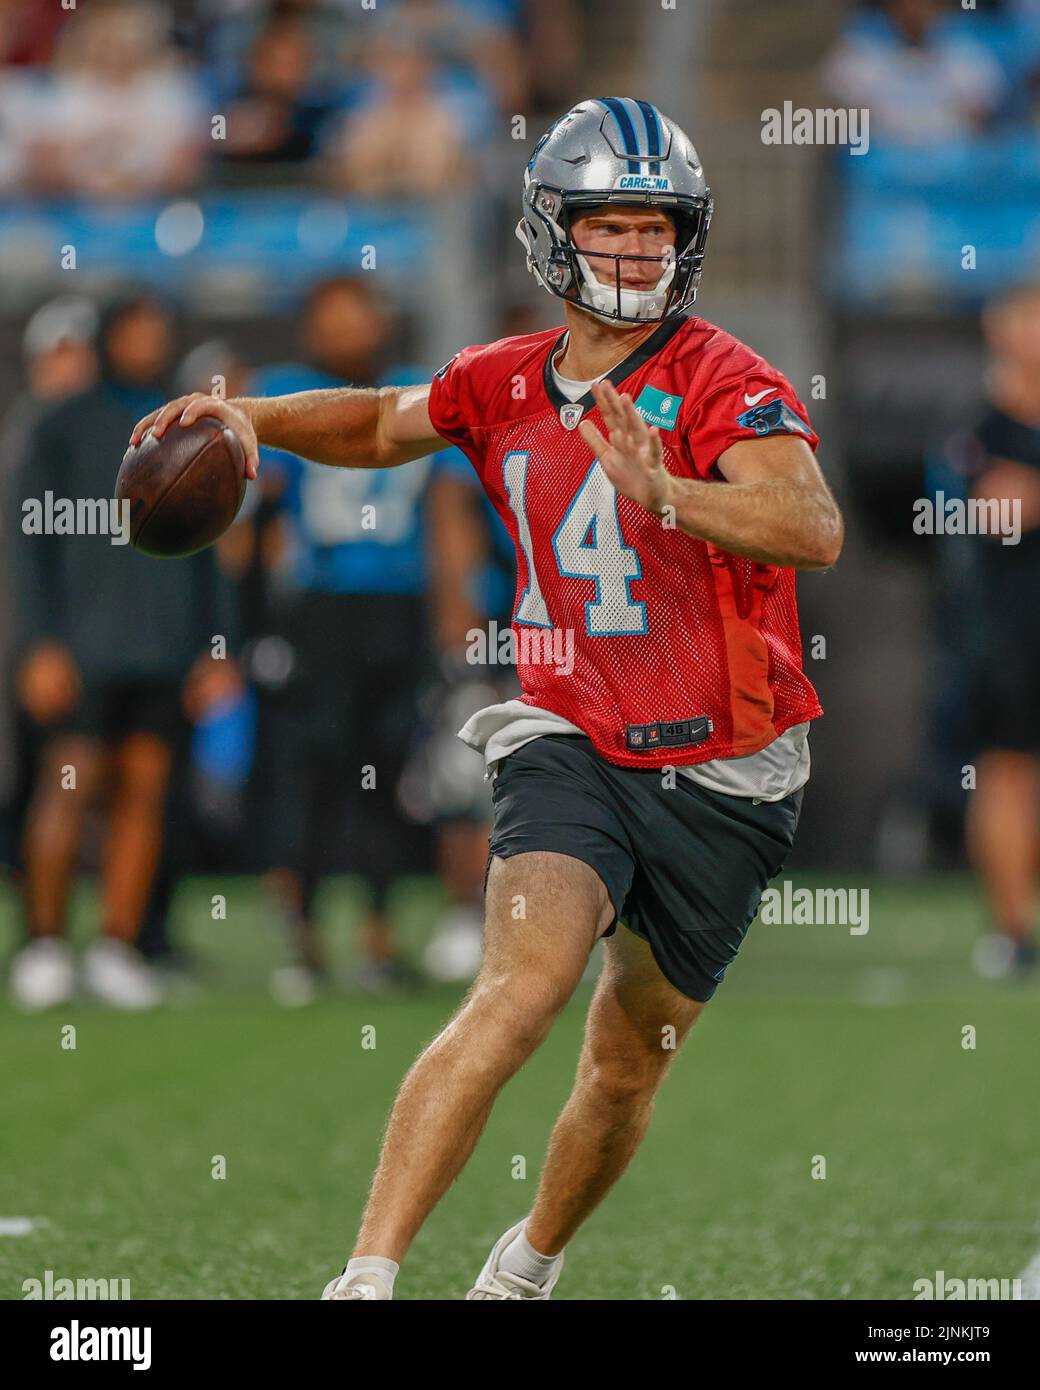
(121, 117)
(925, 81)
(115, 646)
(468, 40)
(1004, 809)
(278, 111)
(204, 800)
(58, 349)
(404, 141)
(472, 588)
(444, 785)
(353, 621)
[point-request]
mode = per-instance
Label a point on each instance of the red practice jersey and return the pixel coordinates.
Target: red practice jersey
(682, 652)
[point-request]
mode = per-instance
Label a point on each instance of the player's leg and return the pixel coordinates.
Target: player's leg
(1004, 837)
(1003, 812)
(702, 862)
(42, 972)
(379, 710)
(636, 1023)
(113, 970)
(142, 766)
(66, 783)
(545, 912)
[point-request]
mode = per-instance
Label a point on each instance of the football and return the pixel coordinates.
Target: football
(184, 490)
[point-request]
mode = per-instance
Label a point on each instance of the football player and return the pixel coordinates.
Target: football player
(659, 482)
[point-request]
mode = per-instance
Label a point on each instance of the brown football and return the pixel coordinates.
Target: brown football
(185, 489)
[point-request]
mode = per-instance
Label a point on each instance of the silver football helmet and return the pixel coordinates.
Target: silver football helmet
(615, 150)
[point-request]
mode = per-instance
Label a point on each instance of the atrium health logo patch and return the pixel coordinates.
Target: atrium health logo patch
(658, 407)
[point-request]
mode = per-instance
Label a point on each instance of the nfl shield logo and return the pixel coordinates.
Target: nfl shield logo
(570, 415)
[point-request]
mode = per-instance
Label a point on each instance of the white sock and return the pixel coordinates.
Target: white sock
(387, 1270)
(522, 1259)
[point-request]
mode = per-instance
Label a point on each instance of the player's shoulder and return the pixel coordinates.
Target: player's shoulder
(489, 384)
(504, 355)
(709, 357)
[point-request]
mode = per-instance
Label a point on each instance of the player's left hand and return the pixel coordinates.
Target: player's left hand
(632, 458)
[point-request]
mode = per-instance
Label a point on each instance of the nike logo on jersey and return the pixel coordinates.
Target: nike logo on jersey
(754, 400)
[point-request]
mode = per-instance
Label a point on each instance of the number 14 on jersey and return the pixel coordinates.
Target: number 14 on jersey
(587, 544)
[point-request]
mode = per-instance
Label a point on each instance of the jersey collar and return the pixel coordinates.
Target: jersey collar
(624, 368)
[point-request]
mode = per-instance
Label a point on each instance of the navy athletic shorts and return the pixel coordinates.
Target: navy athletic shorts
(685, 868)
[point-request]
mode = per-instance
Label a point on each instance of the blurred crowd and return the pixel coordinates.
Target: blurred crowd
(928, 78)
(127, 98)
(953, 96)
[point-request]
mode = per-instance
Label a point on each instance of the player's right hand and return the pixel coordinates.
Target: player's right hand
(185, 410)
(48, 682)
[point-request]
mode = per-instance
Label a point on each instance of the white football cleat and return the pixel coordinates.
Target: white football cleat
(493, 1282)
(114, 973)
(364, 1284)
(42, 975)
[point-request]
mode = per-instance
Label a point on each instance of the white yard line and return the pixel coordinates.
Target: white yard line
(17, 1225)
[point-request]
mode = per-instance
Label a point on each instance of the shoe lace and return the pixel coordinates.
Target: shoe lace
(505, 1285)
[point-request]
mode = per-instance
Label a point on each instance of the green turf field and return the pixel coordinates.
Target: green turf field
(818, 1043)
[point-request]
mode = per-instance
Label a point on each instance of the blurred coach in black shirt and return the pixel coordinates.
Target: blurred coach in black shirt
(114, 647)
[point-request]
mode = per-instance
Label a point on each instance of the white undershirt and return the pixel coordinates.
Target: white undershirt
(768, 775)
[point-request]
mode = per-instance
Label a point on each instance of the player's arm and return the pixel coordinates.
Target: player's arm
(777, 508)
(344, 427)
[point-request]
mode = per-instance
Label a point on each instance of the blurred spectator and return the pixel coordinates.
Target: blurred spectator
(404, 142)
(339, 669)
(58, 348)
(112, 643)
(463, 36)
(278, 113)
(472, 590)
(1004, 809)
(59, 356)
(924, 79)
(121, 118)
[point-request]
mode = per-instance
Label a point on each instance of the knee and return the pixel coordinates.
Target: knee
(143, 776)
(512, 1016)
(625, 1080)
(67, 778)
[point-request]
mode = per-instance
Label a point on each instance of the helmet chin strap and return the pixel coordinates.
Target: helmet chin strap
(604, 299)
